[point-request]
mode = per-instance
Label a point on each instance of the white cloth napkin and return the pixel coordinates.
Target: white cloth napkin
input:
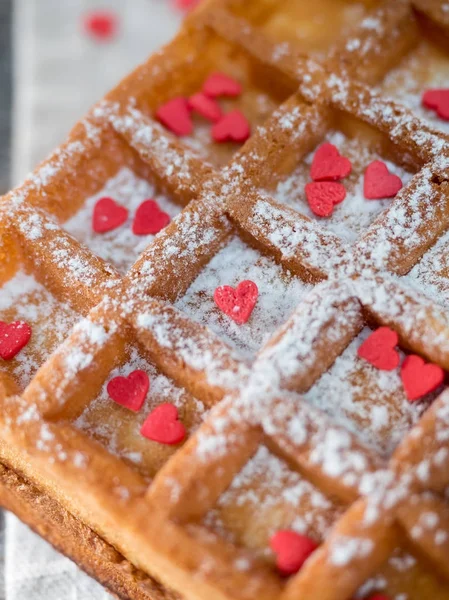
(33, 570)
(59, 73)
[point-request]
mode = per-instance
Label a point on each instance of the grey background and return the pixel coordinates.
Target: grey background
(5, 91)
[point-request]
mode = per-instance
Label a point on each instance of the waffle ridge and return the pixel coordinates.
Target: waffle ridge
(364, 473)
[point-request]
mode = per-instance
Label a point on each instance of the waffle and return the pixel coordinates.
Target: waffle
(287, 427)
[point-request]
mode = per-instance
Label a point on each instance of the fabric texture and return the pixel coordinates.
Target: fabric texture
(34, 570)
(5, 92)
(59, 72)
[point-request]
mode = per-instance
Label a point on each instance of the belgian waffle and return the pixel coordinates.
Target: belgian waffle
(288, 428)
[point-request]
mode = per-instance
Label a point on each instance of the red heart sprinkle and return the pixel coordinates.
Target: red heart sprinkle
(175, 116)
(108, 215)
(292, 550)
(13, 337)
(186, 4)
(232, 127)
(219, 84)
(329, 165)
(379, 182)
(102, 25)
(437, 100)
(149, 218)
(420, 378)
(322, 196)
(206, 107)
(237, 303)
(130, 391)
(379, 349)
(379, 597)
(162, 425)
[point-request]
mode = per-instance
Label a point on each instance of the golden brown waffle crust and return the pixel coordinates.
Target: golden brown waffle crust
(69, 484)
(46, 517)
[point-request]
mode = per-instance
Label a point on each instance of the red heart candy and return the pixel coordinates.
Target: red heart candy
(187, 4)
(206, 107)
(322, 196)
(237, 303)
(379, 182)
(162, 425)
(379, 597)
(108, 215)
(13, 337)
(175, 115)
(130, 391)
(420, 378)
(437, 100)
(292, 550)
(329, 165)
(219, 84)
(101, 25)
(149, 218)
(232, 127)
(379, 349)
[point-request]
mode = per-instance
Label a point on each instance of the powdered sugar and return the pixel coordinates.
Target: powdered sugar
(424, 68)
(201, 139)
(430, 274)
(291, 422)
(345, 549)
(190, 239)
(317, 250)
(23, 298)
(295, 353)
(199, 349)
(119, 247)
(279, 294)
(47, 243)
(149, 139)
(276, 498)
(62, 159)
(32, 227)
(368, 401)
(401, 234)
